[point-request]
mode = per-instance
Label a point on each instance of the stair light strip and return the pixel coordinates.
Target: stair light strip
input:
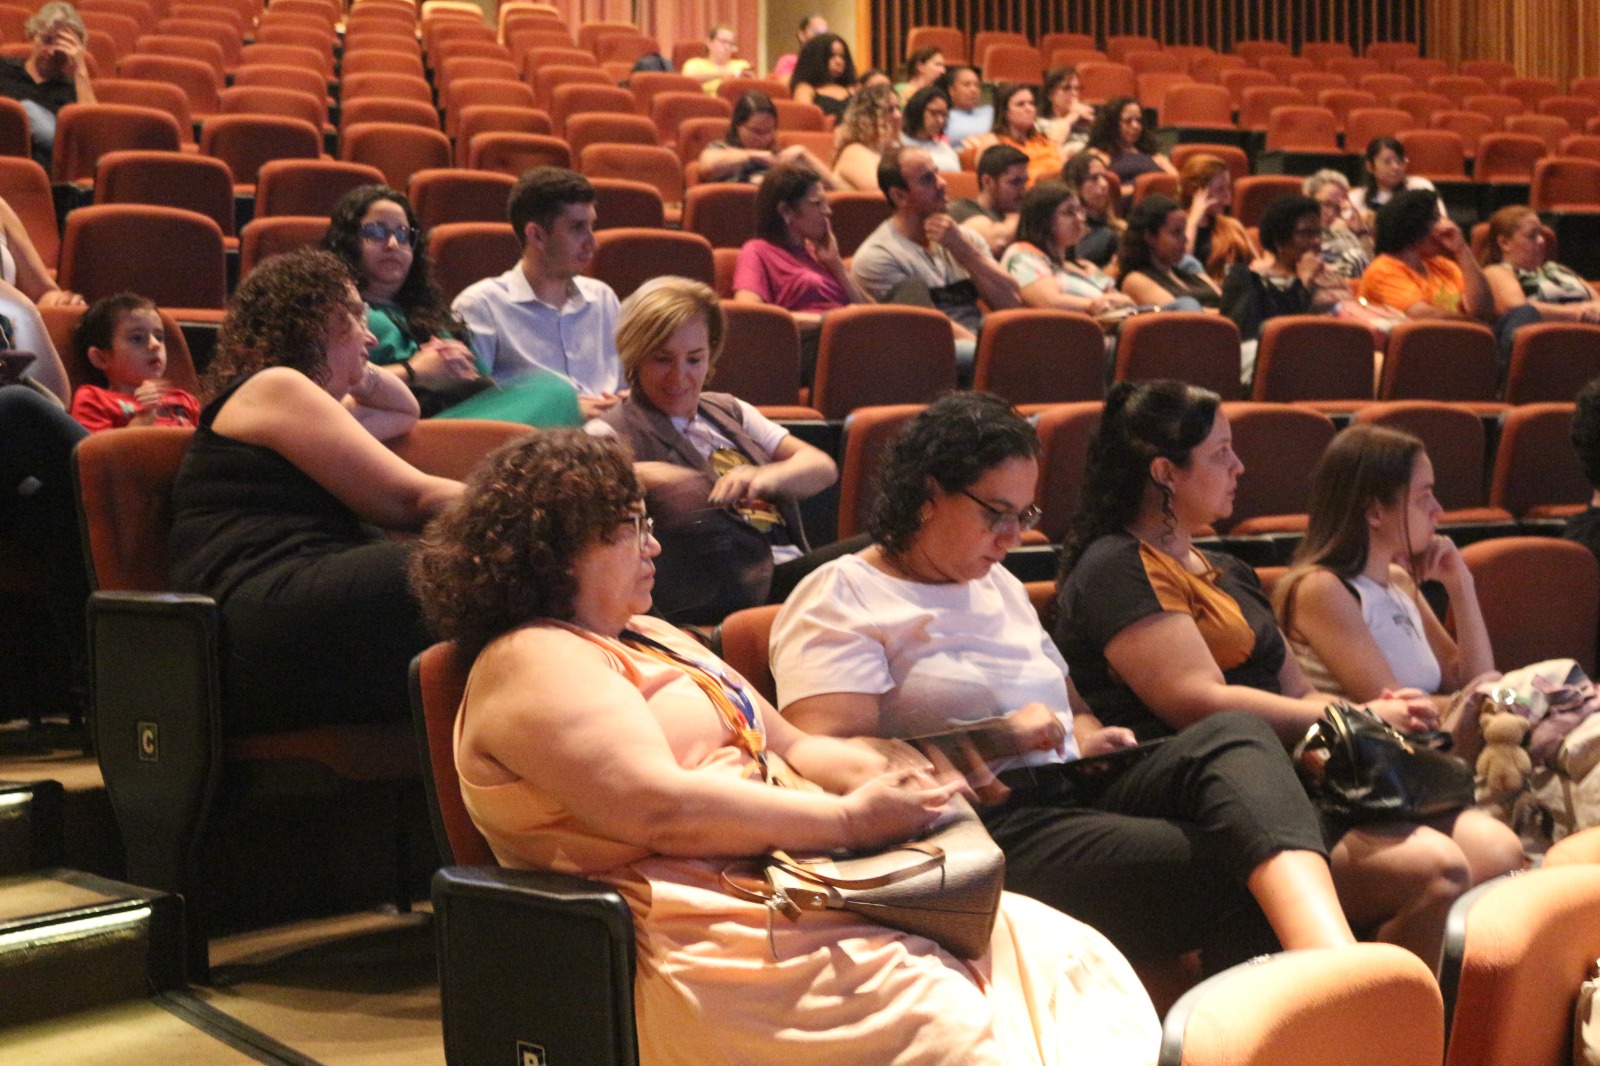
(99, 923)
(15, 799)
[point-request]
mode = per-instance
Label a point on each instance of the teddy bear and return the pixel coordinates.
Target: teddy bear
(1503, 766)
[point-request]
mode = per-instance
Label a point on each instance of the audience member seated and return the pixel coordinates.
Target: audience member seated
(722, 481)
(824, 74)
(55, 73)
(1584, 527)
(920, 255)
(810, 26)
(870, 127)
(1280, 280)
(793, 261)
(1016, 124)
(969, 115)
(543, 314)
(1385, 159)
(376, 233)
(1065, 117)
(1041, 258)
(1208, 842)
(1424, 268)
(992, 215)
(598, 741)
(1124, 145)
(38, 500)
(274, 505)
(1214, 239)
(750, 146)
(1152, 254)
(875, 76)
(1346, 235)
(1350, 605)
(122, 338)
(926, 114)
(1162, 637)
(923, 69)
(1519, 275)
(1087, 174)
(22, 266)
(711, 70)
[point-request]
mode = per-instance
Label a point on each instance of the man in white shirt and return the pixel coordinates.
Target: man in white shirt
(542, 314)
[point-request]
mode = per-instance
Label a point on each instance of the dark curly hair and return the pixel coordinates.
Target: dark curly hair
(1142, 421)
(1405, 220)
(1106, 133)
(501, 556)
(811, 64)
(916, 109)
(953, 443)
(427, 313)
(279, 317)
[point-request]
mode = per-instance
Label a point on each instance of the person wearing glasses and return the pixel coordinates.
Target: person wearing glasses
(375, 231)
(597, 739)
(722, 481)
(1283, 279)
(276, 499)
(1206, 842)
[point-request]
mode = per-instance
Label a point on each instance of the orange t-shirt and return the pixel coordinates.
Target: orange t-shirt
(1390, 282)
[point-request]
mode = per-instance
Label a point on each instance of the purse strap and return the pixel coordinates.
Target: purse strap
(726, 694)
(805, 869)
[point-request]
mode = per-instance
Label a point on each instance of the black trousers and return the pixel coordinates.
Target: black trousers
(1158, 859)
(322, 641)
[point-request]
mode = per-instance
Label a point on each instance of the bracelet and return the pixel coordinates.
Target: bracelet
(411, 375)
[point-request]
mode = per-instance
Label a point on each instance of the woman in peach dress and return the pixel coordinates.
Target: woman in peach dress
(596, 741)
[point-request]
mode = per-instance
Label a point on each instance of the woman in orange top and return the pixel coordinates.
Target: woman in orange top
(1424, 268)
(1016, 123)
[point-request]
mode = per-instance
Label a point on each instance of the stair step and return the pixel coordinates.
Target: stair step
(30, 826)
(70, 941)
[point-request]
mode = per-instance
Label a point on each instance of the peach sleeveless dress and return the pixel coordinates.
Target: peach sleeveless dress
(717, 986)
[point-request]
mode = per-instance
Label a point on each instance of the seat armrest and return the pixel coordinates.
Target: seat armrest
(533, 960)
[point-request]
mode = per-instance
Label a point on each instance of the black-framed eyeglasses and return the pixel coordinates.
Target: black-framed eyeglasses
(379, 233)
(1006, 522)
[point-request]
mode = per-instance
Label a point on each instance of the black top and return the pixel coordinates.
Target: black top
(1250, 298)
(1112, 587)
(18, 84)
(240, 509)
(1584, 527)
(1098, 244)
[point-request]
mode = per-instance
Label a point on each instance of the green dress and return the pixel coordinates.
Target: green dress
(540, 399)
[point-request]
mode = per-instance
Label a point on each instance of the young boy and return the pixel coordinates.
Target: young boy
(122, 337)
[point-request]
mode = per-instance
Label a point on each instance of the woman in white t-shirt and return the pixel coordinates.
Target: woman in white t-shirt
(1350, 605)
(1207, 841)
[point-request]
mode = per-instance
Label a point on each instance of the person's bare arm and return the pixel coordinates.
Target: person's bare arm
(1143, 290)
(998, 289)
(856, 167)
(718, 164)
(286, 411)
(1477, 300)
(1327, 616)
(797, 471)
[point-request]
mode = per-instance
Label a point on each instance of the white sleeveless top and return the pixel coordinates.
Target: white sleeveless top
(1396, 625)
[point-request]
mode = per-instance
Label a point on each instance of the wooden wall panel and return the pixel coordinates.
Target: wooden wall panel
(1217, 23)
(1549, 38)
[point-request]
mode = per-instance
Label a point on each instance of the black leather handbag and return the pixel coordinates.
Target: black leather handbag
(1357, 767)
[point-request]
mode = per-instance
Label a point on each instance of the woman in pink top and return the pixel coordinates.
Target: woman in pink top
(794, 261)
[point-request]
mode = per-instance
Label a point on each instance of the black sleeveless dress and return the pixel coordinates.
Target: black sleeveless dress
(319, 624)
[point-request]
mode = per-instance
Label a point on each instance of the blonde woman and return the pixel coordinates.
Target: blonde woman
(871, 124)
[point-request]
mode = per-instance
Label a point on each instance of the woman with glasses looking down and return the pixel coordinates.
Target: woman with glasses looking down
(1206, 842)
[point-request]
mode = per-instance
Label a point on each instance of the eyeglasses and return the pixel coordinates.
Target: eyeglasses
(644, 527)
(1008, 522)
(378, 233)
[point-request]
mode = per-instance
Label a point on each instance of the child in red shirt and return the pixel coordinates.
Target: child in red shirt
(122, 337)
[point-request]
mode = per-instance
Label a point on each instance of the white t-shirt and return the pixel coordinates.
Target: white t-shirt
(939, 655)
(1396, 627)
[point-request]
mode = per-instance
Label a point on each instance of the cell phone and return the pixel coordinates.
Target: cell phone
(991, 738)
(1108, 763)
(13, 365)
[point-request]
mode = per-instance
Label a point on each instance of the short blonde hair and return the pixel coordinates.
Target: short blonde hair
(658, 309)
(53, 16)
